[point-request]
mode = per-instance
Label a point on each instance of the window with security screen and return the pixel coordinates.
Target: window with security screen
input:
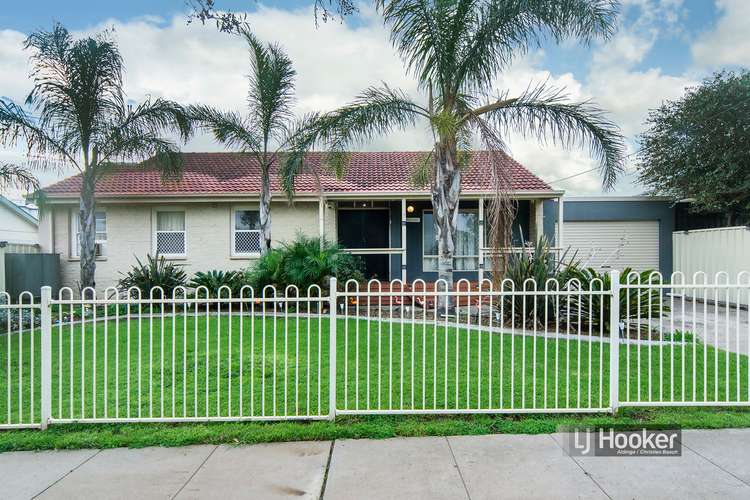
(170, 233)
(100, 237)
(246, 232)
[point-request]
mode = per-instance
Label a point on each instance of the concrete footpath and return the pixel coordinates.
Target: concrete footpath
(714, 464)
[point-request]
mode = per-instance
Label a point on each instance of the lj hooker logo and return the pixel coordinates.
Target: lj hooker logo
(622, 442)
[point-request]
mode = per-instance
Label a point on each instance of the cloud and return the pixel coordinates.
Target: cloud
(728, 42)
(335, 61)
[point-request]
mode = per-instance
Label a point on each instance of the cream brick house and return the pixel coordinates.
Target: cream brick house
(208, 219)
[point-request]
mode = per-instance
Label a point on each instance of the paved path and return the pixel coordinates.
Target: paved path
(714, 464)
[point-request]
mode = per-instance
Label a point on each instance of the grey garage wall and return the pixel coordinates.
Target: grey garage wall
(618, 210)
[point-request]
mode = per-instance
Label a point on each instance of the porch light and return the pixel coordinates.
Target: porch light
(410, 209)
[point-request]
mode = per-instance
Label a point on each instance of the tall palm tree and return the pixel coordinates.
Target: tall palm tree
(269, 127)
(456, 49)
(78, 117)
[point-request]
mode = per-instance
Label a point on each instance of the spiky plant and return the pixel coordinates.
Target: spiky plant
(77, 116)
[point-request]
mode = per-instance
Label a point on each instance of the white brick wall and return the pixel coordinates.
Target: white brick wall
(130, 234)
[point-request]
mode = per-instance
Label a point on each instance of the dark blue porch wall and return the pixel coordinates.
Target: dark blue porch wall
(395, 208)
(414, 238)
(663, 211)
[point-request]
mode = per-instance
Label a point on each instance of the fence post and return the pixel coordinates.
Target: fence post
(46, 310)
(614, 341)
(332, 313)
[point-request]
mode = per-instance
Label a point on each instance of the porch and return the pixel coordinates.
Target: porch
(395, 236)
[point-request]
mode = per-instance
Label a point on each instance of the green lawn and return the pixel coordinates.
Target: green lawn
(385, 366)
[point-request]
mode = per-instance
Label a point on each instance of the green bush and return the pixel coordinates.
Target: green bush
(635, 304)
(540, 265)
(156, 271)
(304, 262)
(214, 280)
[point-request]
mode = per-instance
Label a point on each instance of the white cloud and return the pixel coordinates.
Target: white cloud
(728, 42)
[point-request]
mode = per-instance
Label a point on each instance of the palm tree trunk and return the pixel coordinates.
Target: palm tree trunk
(87, 226)
(265, 212)
(446, 188)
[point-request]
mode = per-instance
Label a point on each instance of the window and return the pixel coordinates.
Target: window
(100, 239)
(170, 233)
(466, 256)
(246, 232)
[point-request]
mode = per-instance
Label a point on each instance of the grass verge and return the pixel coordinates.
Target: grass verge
(77, 436)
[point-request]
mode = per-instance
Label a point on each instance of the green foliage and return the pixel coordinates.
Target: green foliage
(698, 147)
(303, 262)
(268, 270)
(77, 115)
(156, 271)
(635, 304)
(534, 269)
(213, 280)
(548, 272)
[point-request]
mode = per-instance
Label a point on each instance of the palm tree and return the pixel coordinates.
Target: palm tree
(456, 49)
(270, 126)
(78, 117)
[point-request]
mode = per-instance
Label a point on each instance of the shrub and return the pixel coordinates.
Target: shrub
(13, 320)
(214, 280)
(156, 271)
(635, 304)
(540, 265)
(268, 270)
(304, 262)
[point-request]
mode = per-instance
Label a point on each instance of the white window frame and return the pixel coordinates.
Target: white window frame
(233, 229)
(428, 256)
(155, 225)
(75, 253)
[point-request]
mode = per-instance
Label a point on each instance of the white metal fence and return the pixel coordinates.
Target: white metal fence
(584, 345)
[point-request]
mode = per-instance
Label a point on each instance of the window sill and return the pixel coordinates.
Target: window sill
(173, 257)
(247, 256)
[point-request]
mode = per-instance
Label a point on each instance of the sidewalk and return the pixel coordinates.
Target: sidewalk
(714, 464)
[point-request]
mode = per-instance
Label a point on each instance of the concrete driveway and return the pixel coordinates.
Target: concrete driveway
(713, 465)
(716, 325)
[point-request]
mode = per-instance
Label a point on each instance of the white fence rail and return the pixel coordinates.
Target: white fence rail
(584, 345)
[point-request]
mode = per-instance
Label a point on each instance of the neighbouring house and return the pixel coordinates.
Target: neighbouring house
(19, 233)
(18, 223)
(209, 218)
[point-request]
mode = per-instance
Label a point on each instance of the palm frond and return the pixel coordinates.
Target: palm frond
(376, 111)
(45, 145)
(17, 176)
(495, 32)
(229, 128)
(546, 114)
(271, 93)
(422, 173)
(140, 132)
(301, 137)
(76, 84)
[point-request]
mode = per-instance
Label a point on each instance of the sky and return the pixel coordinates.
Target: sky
(661, 48)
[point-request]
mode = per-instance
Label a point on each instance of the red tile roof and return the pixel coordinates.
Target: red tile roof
(233, 173)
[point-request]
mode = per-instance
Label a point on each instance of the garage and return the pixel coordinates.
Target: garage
(613, 244)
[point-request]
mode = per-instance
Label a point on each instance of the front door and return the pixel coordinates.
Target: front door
(366, 228)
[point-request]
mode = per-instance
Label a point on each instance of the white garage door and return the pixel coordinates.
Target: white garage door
(614, 244)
